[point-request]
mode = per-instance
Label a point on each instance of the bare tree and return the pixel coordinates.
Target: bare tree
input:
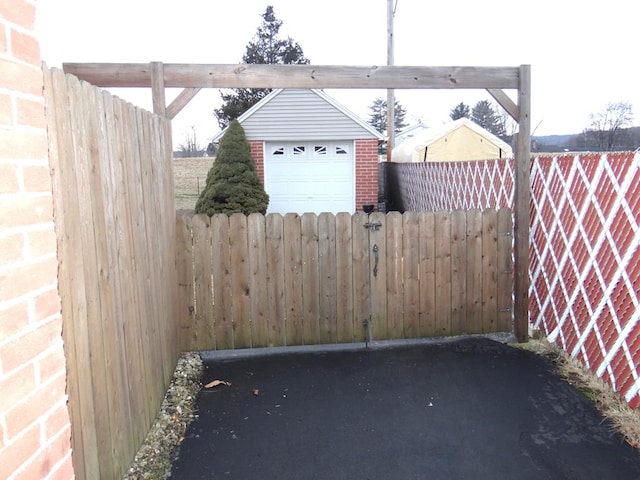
(606, 129)
(190, 146)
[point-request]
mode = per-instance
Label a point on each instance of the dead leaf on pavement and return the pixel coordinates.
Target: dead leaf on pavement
(256, 392)
(215, 383)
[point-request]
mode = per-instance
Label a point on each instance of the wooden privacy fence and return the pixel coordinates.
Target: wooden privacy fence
(255, 281)
(115, 225)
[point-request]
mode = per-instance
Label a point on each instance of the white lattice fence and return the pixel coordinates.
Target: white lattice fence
(585, 262)
(585, 254)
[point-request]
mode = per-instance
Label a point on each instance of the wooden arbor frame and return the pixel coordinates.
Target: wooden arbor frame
(193, 77)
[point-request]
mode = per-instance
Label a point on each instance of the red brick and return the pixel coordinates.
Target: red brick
(46, 305)
(41, 242)
(30, 112)
(28, 411)
(53, 366)
(45, 462)
(20, 210)
(25, 348)
(25, 47)
(37, 179)
(3, 38)
(11, 249)
(6, 109)
(12, 320)
(23, 144)
(18, 452)
(64, 471)
(23, 279)
(16, 386)
(20, 77)
(9, 178)
(20, 12)
(56, 421)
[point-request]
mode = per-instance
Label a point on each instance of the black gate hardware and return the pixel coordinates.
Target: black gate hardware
(375, 226)
(375, 257)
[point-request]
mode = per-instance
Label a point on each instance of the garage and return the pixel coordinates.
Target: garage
(311, 153)
(290, 165)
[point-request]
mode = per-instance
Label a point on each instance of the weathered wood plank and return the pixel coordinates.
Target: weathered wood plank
(277, 327)
(411, 274)
(241, 306)
(296, 76)
(344, 279)
(443, 272)
(202, 273)
(183, 98)
(328, 292)
(474, 271)
(489, 270)
(394, 260)
(222, 281)
(378, 275)
(361, 272)
(458, 272)
(505, 271)
(427, 274)
(293, 279)
(184, 268)
(258, 280)
(310, 279)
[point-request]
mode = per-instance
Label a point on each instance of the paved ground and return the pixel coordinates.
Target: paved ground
(464, 409)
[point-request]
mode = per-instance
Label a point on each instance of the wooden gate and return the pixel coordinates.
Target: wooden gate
(256, 281)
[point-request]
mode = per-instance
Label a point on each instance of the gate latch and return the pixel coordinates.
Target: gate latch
(375, 258)
(375, 226)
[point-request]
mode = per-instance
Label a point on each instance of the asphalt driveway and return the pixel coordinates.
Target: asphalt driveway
(469, 408)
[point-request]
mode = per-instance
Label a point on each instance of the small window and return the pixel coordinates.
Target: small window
(300, 150)
(340, 151)
(320, 149)
(278, 151)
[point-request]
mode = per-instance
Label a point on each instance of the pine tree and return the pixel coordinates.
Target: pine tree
(460, 111)
(378, 115)
(484, 115)
(233, 184)
(265, 48)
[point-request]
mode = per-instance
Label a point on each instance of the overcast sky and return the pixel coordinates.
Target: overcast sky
(582, 55)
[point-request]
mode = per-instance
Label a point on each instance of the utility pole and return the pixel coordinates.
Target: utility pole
(390, 93)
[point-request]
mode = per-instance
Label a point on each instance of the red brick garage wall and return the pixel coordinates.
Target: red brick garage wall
(34, 421)
(366, 173)
(366, 169)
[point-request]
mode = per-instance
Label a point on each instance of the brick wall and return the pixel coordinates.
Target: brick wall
(34, 421)
(257, 153)
(366, 173)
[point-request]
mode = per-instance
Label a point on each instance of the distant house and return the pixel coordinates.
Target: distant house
(454, 141)
(409, 132)
(312, 154)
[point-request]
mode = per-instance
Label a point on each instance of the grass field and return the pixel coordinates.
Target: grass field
(190, 176)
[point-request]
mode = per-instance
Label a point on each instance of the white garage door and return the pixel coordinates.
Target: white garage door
(310, 177)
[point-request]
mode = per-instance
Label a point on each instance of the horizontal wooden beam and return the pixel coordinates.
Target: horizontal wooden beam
(178, 75)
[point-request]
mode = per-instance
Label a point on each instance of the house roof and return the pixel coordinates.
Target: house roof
(321, 95)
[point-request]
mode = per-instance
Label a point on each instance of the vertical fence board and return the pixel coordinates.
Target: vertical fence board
(72, 284)
(258, 280)
(277, 327)
(489, 276)
(310, 279)
(184, 267)
(443, 272)
(293, 278)
(411, 273)
(202, 274)
(361, 273)
(474, 271)
(222, 281)
(378, 279)
(240, 280)
(328, 292)
(427, 274)
(394, 259)
(344, 279)
(505, 271)
(458, 271)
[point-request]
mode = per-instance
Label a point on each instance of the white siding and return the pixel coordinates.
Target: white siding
(301, 115)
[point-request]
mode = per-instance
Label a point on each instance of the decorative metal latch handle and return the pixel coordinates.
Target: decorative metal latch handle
(375, 260)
